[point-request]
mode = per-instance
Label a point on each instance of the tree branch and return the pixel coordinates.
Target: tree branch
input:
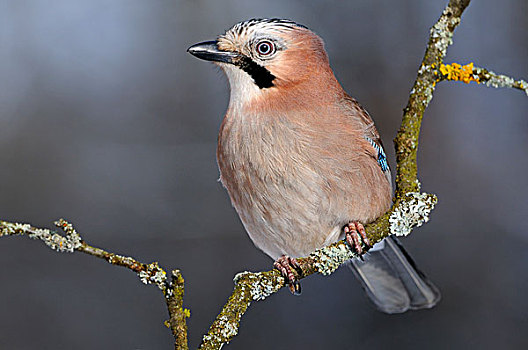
(469, 73)
(151, 273)
(406, 141)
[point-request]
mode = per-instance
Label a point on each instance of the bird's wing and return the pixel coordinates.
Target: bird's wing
(370, 132)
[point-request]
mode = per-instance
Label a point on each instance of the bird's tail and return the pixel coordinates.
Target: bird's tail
(392, 281)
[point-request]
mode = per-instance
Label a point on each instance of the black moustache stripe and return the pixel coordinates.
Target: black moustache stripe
(262, 77)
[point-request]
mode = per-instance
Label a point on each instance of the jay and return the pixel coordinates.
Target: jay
(302, 161)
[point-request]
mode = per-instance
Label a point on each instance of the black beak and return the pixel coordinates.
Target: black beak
(208, 50)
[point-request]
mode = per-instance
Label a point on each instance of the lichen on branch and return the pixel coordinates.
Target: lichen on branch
(469, 73)
(66, 244)
(457, 72)
(411, 213)
(151, 273)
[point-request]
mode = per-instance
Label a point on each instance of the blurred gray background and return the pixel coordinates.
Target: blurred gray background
(105, 120)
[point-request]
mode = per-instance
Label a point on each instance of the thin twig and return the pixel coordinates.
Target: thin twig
(151, 273)
(468, 73)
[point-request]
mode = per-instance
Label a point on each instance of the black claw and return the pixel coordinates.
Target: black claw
(295, 287)
(298, 270)
(366, 242)
(285, 264)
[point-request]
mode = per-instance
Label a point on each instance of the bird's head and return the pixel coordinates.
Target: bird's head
(262, 56)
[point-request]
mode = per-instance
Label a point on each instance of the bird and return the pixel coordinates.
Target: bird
(303, 162)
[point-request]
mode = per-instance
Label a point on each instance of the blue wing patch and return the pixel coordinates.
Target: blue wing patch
(382, 158)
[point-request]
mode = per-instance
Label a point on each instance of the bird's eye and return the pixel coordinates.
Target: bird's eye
(265, 48)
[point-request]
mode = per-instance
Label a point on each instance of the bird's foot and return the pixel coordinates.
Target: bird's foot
(355, 234)
(285, 264)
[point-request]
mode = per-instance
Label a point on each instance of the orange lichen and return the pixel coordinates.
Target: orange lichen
(458, 72)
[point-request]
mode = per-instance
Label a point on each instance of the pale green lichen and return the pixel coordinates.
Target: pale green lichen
(154, 275)
(412, 212)
(8, 229)
(328, 259)
(441, 34)
(492, 79)
(501, 81)
(227, 329)
(55, 241)
(498, 81)
(213, 339)
(261, 285)
(120, 259)
(249, 286)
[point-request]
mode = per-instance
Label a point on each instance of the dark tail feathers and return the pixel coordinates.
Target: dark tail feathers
(391, 279)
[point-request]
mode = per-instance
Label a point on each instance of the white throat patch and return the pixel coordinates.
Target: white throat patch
(243, 88)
